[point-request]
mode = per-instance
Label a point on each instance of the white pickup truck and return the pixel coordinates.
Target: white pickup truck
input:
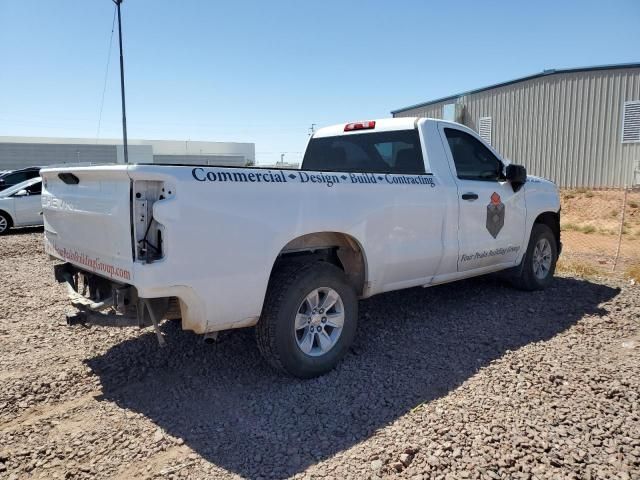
(376, 206)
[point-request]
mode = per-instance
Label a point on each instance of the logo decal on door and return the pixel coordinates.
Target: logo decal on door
(495, 215)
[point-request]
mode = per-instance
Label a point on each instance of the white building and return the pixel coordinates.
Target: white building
(18, 152)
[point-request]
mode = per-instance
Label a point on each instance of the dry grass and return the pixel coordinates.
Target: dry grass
(633, 272)
(577, 268)
(590, 229)
(578, 228)
(585, 269)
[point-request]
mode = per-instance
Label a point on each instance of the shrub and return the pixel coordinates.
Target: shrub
(577, 268)
(578, 228)
(634, 272)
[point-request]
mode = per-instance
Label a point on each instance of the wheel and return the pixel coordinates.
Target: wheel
(5, 223)
(308, 320)
(539, 261)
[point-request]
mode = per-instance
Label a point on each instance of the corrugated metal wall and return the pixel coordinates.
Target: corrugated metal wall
(20, 155)
(566, 127)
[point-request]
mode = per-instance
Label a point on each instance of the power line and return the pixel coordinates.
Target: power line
(106, 74)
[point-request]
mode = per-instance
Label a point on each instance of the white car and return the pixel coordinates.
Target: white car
(21, 206)
(376, 206)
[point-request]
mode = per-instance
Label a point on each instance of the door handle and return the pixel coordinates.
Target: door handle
(469, 196)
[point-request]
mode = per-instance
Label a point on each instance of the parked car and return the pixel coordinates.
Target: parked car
(14, 177)
(377, 206)
(20, 205)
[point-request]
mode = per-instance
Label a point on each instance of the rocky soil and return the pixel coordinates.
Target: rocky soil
(472, 380)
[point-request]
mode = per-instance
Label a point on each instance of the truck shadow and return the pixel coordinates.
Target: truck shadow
(412, 347)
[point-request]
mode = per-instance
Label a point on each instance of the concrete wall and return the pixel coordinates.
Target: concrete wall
(136, 153)
(188, 147)
(564, 126)
(230, 160)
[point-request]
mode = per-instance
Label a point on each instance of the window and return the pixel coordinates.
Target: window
(381, 152)
(484, 129)
(16, 178)
(472, 159)
(631, 122)
(35, 189)
(449, 112)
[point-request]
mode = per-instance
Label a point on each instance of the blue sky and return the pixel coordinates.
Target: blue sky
(264, 71)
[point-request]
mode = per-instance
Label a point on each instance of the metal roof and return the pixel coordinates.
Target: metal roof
(544, 73)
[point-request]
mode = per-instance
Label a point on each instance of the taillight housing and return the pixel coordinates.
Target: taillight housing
(349, 127)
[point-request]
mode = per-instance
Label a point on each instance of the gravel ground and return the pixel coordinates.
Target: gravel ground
(470, 380)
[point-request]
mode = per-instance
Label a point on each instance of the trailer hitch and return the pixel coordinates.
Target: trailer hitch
(109, 304)
(87, 318)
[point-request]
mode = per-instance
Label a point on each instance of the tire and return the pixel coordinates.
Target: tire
(301, 351)
(531, 276)
(5, 223)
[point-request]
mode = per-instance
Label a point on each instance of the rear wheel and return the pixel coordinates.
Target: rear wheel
(5, 223)
(539, 261)
(308, 320)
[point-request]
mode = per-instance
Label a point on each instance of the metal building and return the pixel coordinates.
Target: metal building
(18, 152)
(579, 127)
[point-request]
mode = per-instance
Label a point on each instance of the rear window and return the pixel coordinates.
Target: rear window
(380, 152)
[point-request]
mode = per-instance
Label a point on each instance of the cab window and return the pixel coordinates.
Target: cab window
(473, 160)
(384, 152)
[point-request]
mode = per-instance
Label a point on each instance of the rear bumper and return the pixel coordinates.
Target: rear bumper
(103, 294)
(104, 302)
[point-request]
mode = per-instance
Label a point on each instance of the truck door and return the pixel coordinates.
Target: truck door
(491, 222)
(28, 207)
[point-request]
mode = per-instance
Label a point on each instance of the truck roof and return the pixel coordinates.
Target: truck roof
(381, 125)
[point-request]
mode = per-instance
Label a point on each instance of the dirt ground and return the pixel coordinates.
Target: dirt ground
(469, 380)
(602, 210)
(591, 221)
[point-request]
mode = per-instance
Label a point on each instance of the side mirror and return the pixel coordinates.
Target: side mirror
(517, 175)
(21, 193)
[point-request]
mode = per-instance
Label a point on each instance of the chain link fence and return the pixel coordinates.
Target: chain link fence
(600, 231)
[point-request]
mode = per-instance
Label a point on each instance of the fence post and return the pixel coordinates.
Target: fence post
(624, 208)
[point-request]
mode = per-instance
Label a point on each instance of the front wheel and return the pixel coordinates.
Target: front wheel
(308, 320)
(539, 262)
(5, 223)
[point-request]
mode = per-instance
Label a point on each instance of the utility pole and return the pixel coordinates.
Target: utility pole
(312, 129)
(124, 112)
